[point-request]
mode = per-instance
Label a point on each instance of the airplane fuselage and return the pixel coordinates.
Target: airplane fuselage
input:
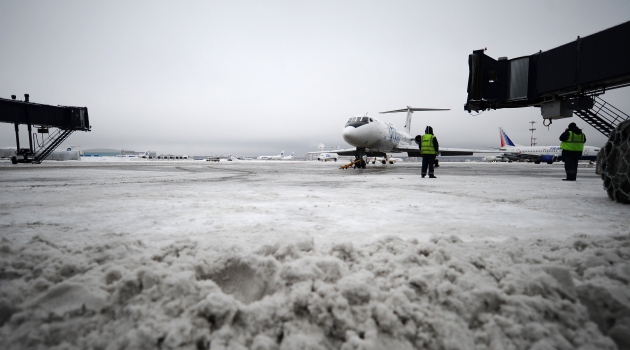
(372, 133)
(548, 153)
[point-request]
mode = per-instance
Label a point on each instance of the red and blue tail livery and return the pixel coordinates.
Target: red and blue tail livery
(505, 140)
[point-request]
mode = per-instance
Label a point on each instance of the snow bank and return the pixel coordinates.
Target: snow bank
(389, 294)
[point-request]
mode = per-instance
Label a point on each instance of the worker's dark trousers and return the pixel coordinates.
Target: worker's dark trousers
(570, 159)
(427, 162)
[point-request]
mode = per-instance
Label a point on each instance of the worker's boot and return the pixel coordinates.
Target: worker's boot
(431, 176)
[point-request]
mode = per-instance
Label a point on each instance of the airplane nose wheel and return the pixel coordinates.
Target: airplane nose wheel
(360, 165)
(360, 159)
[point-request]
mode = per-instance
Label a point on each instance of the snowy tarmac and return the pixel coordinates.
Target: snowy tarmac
(287, 255)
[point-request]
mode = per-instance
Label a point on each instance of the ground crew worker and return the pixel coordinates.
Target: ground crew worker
(572, 145)
(429, 149)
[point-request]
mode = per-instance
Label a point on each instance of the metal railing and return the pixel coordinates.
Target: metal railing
(50, 143)
(604, 117)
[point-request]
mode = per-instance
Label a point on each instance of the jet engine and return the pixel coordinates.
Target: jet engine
(548, 158)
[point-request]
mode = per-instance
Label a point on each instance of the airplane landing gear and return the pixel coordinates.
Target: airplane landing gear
(360, 164)
(360, 159)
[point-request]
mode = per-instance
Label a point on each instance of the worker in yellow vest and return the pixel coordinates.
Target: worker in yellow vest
(572, 145)
(429, 149)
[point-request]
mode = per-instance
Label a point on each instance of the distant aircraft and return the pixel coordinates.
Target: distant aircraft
(146, 155)
(278, 157)
(289, 157)
(375, 138)
(498, 158)
(537, 154)
(324, 156)
(327, 156)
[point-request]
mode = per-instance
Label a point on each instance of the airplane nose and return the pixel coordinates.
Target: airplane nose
(350, 135)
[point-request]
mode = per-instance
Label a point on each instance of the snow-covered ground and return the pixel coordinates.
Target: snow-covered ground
(302, 255)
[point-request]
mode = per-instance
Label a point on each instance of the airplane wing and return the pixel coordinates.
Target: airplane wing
(446, 152)
(412, 152)
(522, 156)
(352, 151)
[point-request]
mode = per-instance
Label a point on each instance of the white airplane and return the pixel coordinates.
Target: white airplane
(231, 158)
(537, 154)
(375, 138)
(327, 157)
(324, 156)
(289, 157)
(146, 155)
(278, 157)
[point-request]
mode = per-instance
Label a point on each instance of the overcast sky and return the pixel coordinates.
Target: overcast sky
(257, 77)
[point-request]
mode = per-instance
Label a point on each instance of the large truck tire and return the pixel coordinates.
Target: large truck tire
(613, 164)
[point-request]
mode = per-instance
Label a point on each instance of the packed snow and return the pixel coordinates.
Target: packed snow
(303, 255)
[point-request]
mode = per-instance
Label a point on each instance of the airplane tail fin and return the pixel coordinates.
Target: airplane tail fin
(505, 140)
(410, 111)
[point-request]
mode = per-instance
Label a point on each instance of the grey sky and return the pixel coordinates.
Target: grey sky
(256, 77)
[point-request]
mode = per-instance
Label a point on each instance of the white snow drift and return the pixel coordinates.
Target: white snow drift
(275, 257)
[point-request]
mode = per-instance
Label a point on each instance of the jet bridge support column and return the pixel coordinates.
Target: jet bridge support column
(17, 135)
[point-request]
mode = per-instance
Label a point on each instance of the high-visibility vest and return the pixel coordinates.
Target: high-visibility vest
(427, 144)
(575, 142)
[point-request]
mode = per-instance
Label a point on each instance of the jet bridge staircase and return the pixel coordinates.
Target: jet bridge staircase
(563, 81)
(49, 144)
(604, 117)
(64, 119)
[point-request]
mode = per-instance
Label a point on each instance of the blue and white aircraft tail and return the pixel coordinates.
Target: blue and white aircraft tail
(289, 157)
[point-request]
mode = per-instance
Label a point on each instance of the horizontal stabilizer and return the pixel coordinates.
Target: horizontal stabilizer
(416, 110)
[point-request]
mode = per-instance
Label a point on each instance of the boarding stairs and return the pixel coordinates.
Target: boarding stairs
(603, 116)
(50, 143)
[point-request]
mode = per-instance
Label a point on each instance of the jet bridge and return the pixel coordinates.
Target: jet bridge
(65, 120)
(565, 80)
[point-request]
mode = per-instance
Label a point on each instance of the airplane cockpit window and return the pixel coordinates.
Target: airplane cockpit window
(358, 121)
